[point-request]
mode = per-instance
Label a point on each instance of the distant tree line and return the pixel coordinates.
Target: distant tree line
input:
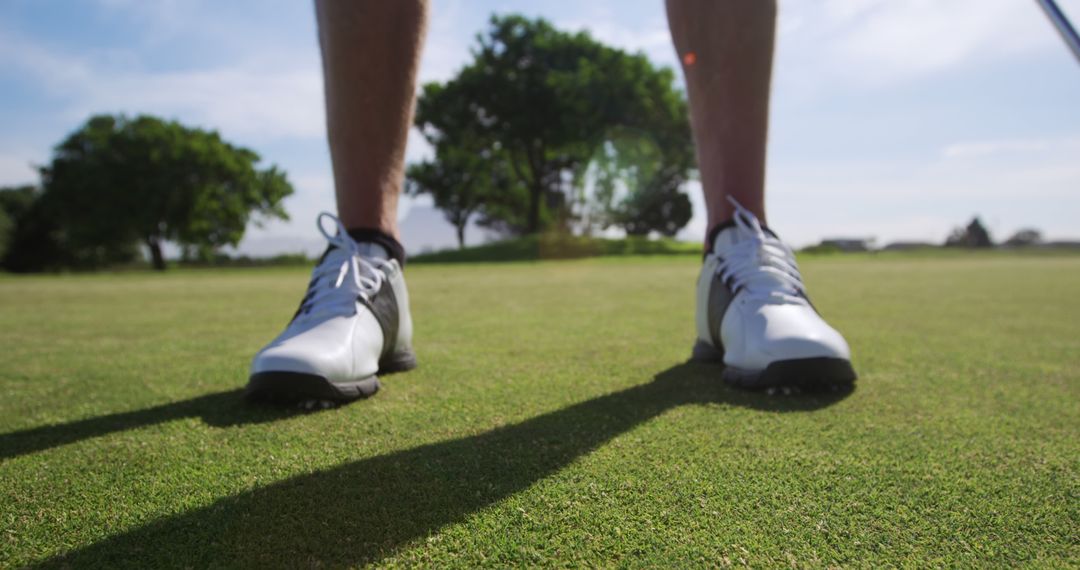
(546, 129)
(973, 235)
(118, 183)
(976, 235)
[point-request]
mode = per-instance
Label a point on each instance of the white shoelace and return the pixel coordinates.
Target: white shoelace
(759, 264)
(336, 283)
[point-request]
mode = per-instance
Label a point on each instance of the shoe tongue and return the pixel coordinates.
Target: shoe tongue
(369, 249)
(729, 236)
(366, 249)
(725, 239)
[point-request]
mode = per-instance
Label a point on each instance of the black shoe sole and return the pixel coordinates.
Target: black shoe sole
(809, 374)
(298, 387)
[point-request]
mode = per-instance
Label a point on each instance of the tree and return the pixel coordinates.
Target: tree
(540, 101)
(974, 235)
(32, 242)
(7, 227)
(659, 207)
(455, 182)
(7, 222)
(1025, 237)
(117, 182)
(635, 186)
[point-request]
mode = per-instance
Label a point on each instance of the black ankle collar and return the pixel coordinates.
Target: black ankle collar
(392, 246)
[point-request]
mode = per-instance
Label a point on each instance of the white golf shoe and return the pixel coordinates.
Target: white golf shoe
(754, 315)
(353, 323)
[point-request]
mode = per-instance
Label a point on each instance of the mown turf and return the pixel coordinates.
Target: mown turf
(560, 246)
(553, 422)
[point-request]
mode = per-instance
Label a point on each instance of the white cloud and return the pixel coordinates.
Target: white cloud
(446, 48)
(788, 24)
(878, 43)
(978, 149)
(249, 103)
(52, 70)
(919, 36)
(654, 39)
(267, 92)
(417, 149)
(17, 167)
(1011, 185)
(1045, 168)
(160, 19)
(865, 42)
(254, 101)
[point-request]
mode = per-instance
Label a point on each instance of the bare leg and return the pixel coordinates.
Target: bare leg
(370, 53)
(726, 48)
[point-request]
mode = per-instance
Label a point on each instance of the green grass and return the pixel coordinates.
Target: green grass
(559, 246)
(553, 422)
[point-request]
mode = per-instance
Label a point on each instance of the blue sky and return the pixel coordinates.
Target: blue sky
(896, 119)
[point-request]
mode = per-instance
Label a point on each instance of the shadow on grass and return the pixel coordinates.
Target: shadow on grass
(369, 509)
(221, 409)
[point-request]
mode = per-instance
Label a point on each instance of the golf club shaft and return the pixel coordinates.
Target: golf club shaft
(1061, 22)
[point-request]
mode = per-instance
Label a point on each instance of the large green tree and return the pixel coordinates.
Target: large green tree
(541, 101)
(120, 181)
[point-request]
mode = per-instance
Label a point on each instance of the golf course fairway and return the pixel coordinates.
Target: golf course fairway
(553, 421)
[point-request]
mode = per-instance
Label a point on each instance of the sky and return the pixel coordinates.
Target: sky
(891, 119)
